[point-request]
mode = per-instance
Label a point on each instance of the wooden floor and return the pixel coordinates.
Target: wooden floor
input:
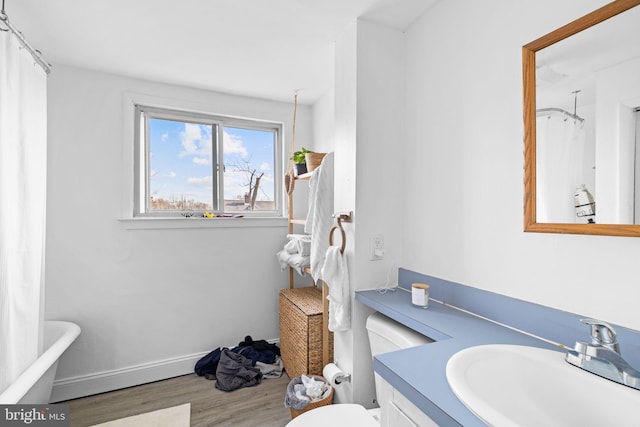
(262, 405)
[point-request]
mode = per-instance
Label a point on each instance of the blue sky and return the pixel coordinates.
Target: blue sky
(181, 160)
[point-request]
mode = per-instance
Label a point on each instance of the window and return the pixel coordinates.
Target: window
(179, 173)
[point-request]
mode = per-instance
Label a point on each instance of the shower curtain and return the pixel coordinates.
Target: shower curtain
(23, 156)
(559, 167)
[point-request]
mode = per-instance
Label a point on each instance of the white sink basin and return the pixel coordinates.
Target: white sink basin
(510, 385)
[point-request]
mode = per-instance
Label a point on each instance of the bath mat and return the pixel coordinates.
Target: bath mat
(176, 416)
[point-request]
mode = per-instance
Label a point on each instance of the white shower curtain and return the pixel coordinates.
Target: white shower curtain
(559, 167)
(23, 160)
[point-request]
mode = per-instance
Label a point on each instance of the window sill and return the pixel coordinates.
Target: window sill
(174, 223)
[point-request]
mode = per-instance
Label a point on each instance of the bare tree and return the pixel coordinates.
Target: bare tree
(253, 183)
(253, 188)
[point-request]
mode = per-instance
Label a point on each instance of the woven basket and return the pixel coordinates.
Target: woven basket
(313, 160)
(301, 331)
(312, 405)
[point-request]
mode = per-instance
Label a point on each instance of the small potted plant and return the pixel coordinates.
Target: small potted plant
(299, 160)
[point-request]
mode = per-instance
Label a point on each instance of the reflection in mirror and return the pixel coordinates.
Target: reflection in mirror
(596, 70)
(582, 97)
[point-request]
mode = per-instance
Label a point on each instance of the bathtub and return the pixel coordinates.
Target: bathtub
(34, 385)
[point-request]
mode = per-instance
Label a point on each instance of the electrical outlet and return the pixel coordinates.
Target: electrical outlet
(377, 247)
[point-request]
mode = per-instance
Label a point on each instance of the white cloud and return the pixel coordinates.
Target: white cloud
(165, 136)
(234, 145)
(155, 173)
(201, 181)
(190, 136)
(201, 161)
(265, 167)
(196, 140)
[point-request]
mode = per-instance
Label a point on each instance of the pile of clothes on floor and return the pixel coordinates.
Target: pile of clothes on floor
(242, 366)
(296, 253)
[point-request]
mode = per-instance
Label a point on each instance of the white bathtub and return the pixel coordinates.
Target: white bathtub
(35, 384)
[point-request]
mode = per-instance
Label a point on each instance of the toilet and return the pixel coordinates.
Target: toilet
(385, 335)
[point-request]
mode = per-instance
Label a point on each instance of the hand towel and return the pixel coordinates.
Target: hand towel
(336, 275)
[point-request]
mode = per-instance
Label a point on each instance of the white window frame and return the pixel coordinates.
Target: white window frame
(131, 215)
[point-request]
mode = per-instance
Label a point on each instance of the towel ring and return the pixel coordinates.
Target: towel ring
(338, 226)
(335, 227)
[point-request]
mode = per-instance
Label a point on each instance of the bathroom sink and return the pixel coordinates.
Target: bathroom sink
(507, 385)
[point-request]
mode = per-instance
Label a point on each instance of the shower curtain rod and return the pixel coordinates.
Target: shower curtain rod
(544, 111)
(34, 53)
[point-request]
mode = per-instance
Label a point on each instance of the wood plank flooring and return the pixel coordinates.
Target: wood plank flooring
(262, 405)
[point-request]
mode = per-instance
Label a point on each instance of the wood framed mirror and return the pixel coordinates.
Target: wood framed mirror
(576, 64)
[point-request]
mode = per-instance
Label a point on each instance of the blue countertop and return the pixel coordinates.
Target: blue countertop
(419, 373)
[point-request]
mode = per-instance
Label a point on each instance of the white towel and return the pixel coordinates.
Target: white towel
(336, 275)
(320, 215)
(299, 244)
(295, 261)
(291, 247)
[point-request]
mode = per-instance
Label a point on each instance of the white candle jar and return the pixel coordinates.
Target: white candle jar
(420, 295)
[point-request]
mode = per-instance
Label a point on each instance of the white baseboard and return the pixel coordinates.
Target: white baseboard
(86, 385)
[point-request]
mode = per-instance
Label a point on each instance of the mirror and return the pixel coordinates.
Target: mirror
(581, 115)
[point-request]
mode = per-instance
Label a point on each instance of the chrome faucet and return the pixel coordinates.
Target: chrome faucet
(602, 355)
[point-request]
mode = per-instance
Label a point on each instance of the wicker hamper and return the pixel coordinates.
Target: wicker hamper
(301, 331)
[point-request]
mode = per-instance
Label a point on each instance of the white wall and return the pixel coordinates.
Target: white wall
(463, 210)
(369, 123)
(379, 156)
(149, 300)
(323, 111)
(618, 96)
(345, 176)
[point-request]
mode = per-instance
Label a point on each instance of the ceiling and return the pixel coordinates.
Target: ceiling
(266, 49)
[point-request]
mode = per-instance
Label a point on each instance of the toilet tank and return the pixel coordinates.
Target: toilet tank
(387, 335)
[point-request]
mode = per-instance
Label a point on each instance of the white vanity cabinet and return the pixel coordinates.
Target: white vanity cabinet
(399, 411)
(403, 413)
